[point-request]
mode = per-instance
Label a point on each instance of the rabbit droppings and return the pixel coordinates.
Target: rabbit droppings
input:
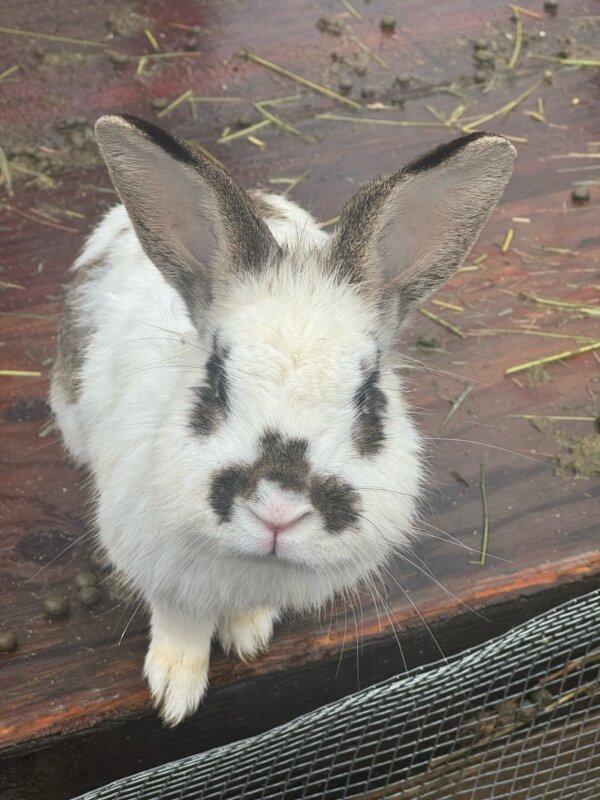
(225, 371)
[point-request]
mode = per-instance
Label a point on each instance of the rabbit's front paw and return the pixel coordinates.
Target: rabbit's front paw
(177, 676)
(247, 634)
(177, 662)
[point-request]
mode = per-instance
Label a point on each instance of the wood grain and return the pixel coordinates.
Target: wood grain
(72, 684)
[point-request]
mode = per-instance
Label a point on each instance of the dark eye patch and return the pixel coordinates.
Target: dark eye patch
(366, 389)
(212, 397)
(217, 375)
(370, 403)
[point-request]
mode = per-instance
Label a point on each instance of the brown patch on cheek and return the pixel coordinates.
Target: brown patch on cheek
(206, 412)
(228, 484)
(336, 501)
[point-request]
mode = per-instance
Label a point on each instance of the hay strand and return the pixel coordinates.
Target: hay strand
(286, 73)
(49, 37)
(592, 311)
(177, 102)
(518, 40)
(5, 172)
(451, 306)
(456, 404)
(554, 418)
(505, 109)
(20, 373)
(551, 359)
(243, 132)
(8, 71)
(443, 323)
(372, 121)
(485, 535)
(152, 39)
(510, 235)
(279, 123)
(350, 8)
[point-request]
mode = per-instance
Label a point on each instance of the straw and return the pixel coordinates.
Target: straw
(316, 87)
(551, 359)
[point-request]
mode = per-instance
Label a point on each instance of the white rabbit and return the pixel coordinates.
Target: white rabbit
(225, 371)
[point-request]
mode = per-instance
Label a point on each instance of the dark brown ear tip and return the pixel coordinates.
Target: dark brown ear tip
(476, 140)
(498, 141)
(109, 124)
(127, 121)
(115, 124)
(500, 151)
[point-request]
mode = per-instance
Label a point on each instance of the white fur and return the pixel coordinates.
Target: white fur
(298, 342)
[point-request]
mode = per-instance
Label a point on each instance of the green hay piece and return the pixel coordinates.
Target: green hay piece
(550, 359)
(48, 37)
(518, 41)
(8, 71)
(485, 535)
(444, 323)
(316, 87)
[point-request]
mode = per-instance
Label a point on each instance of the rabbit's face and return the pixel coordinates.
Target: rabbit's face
(299, 425)
(297, 446)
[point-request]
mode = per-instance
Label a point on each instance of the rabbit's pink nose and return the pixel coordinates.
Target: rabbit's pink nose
(278, 523)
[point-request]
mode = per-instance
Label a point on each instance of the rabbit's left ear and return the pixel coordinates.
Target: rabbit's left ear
(193, 221)
(405, 236)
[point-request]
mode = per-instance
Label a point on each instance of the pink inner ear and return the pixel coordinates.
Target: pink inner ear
(188, 214)
(408, 236)
(170, 203)
(431, 219)
(187, 209)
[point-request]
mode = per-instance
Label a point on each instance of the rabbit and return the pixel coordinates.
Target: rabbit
(225, 372)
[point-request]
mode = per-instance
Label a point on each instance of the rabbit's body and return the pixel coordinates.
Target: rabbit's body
(225, 372)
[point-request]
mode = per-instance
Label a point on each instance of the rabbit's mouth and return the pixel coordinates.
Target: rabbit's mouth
(283, 525)
(277, 520)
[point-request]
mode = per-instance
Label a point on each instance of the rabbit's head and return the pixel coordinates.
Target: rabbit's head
(299, 450)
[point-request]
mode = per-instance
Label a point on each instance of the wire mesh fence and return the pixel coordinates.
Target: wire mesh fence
(518, 718)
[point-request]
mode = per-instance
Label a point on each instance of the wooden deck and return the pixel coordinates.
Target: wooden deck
(74, 710)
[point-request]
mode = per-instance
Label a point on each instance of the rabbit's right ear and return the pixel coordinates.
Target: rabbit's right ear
(192, 220)
(406, 235)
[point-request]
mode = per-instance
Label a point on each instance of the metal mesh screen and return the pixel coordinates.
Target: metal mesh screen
(516, 718)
